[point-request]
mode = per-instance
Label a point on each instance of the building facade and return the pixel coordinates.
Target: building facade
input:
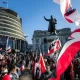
(29, 48)
(41, 39)
(11, 33)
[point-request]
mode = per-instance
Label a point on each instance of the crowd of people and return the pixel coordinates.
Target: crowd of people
(16, 66)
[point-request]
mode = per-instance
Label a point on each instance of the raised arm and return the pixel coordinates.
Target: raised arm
(46, 19)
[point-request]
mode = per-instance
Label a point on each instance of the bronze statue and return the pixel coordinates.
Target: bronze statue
(52, 22)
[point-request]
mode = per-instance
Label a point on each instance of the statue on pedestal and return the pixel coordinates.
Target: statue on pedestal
(52, 22)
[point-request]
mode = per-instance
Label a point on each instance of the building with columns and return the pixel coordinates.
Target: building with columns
(11, 33)
(42, 39)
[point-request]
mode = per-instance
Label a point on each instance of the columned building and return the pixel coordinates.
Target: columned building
(41, 39)
(11, 33)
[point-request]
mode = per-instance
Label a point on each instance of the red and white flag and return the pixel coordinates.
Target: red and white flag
(37, 65)
(42, 64)
(67, 54)
(54, 46)
(56, 1)
(75, 34)
(8, 49)
(70, 14)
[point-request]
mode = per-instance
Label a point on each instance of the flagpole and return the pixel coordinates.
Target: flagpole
(57, 37)
(7, 42)
(7, 4)
(40, 47)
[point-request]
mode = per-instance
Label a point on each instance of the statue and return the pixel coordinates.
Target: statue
(52, 22)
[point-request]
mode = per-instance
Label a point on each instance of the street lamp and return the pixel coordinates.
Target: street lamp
(25, 36)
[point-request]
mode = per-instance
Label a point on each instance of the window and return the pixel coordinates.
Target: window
(10, 42)
(3, 41)
(45, 48)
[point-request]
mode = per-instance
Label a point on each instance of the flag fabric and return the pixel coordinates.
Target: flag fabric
(67, 54)
(22, 68)
(5, 2)
(37, 70)
(54, 46)
(73, 17)
(42, 64)
(70, 14)
(0, 49)
(1, 57)
(6, 77)
(35, 67)
(56, 1)
(75, 33)
(8, 49)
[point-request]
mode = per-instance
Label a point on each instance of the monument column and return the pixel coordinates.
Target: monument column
(7, 41)
(20, 45)
(13, 43)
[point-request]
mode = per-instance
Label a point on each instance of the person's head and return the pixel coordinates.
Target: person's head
(13, 69)
(4, 68)
(48, 68)
(25, 77)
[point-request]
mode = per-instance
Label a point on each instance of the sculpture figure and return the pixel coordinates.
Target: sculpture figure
(52, 22)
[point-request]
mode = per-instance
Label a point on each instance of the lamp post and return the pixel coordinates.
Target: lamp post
(25, 36)
(25, 45)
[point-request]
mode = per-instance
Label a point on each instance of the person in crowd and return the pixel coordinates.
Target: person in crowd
(6, 77)
(32, 67)
(4, 71)
(76, 68)
(13, 73)
(37, 72)
(48, 73)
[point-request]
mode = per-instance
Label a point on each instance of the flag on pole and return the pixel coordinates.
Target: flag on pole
(42, 64)
(54, 46)
(5, 2)
(8, 49)
(67, 54)
(37, 65)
